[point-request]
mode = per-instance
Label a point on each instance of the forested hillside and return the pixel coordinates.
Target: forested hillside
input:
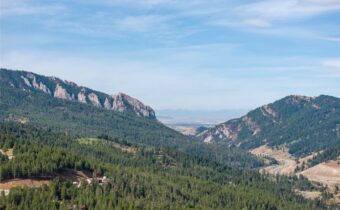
(82, 120)
(148, 179)
(302, 124)
(78, 118)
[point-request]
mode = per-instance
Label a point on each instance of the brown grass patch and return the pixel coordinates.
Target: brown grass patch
(326, 173)
(312, 195)
(287, 163)
(123, 148)
(65, 174)
(186, 130)
(31, 183)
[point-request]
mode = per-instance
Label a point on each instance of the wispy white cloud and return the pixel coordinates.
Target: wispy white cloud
(257, 22)
(288, 9)
(331, 38)
(277, 17)
(20, 7)
(333, 63)
(140, 23)
(331, 68)
(163, 19)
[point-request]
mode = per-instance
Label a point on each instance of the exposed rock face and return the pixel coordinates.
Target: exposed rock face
(27, 82)
(118, 103)
(123, 102)
(44, 88)
(308, 101)
(94, 99)
(251, 125)
(31, 81)
(39, 86)
(107, 104)
(208, 139)
(82, 96)
(61, 92)
(34, 81)
(220, 132)
(268, 111)
(297, 99)
(70, 91)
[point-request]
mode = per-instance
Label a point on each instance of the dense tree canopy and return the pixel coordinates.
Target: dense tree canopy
(151, 178)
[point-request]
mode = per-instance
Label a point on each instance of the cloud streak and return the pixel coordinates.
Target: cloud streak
(165, 20)
(26, 8)
(330, 38)
(331, 68)
(289, 9)
(257, 23)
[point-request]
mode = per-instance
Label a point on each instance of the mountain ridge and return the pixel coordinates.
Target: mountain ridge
(79, 119)
(67, 90)
(291, 121)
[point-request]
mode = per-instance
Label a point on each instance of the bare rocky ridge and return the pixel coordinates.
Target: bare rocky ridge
(70, 91)
(120, 100)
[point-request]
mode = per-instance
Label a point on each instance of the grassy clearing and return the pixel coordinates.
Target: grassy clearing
(94, 141)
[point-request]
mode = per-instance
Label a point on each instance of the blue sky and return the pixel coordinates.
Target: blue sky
(178, 54)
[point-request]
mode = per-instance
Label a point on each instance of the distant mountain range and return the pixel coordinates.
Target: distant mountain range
(63, 89)
(303, 124)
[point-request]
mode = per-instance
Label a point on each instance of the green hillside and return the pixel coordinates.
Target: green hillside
(83, 120)
(303, 124)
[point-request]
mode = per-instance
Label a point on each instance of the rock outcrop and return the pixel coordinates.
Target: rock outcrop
(123, 103)
(94, 99)
(61, 92)
(107, 104)
(82, 96)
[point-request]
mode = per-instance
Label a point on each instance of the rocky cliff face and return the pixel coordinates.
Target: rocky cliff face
(125, 103)
(70, 91)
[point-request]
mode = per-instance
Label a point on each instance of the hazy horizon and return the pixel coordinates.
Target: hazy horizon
(198, 117)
